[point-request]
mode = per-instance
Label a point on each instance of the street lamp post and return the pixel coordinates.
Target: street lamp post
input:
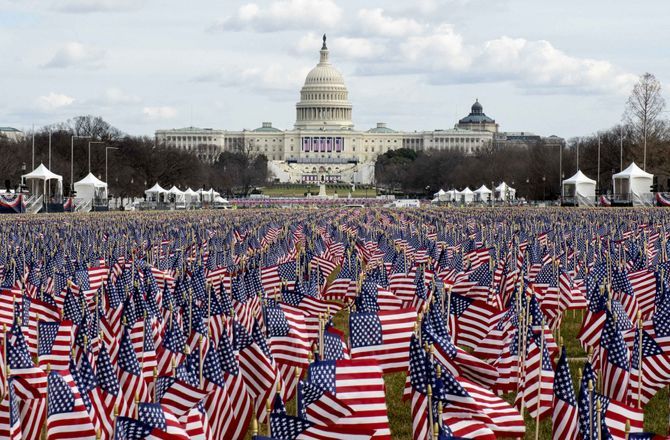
(72, 158)
(106, 150)
(544, 179)
(560, 164)
(89, 152)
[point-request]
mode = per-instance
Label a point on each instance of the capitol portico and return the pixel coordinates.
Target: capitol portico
(323, 145)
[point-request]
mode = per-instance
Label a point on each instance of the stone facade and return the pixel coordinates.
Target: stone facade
(323, 145)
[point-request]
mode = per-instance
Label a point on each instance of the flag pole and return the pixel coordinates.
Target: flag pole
(599, 418)
(298, 372)
(45, 432)
(430, 408)
(591, 408)
(640, 360)
(539, 388)
(627, 430)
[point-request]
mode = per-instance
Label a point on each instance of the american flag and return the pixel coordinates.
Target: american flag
(320, 406)
(358, 384)
(383, 336)
(565, 423)
(470, 320)
(256, 368)
(67, 417)
(614, 361)
(649, 368)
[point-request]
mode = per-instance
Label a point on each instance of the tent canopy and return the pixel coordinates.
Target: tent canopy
(42, 173)
(579, 177)
(176, 191)
(505, 192)
(467, 190)
(190, 192)
(91, 180)
(156, 189)
(633, 171)
(45, 175)
(579, 186)
(633, 184)
(90, 188)
(483, 190)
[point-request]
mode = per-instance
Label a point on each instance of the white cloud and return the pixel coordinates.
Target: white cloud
(283, 15)
(53, 101)
(92, 6)
(444, 57)
(156, 113)
(373, 21)
(273, 77)
(540, 64)
(440, 49)
(115, 95)
(76, 54)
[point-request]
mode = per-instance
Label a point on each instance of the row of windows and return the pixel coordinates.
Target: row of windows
(330, 96)
(191, 138)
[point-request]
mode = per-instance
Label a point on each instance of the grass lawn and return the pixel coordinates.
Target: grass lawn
(299, 191)
(656, 411)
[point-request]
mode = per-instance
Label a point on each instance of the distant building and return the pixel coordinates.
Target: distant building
(323, 145)
(11, 133)
(477, 120)
(206, 143)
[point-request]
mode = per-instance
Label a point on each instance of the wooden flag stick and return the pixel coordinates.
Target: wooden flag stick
(539, 388)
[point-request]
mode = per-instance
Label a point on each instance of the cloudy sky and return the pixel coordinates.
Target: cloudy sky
(561, 68)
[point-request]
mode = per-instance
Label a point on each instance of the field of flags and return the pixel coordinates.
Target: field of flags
(362, 324)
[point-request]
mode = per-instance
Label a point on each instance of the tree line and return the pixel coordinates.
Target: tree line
(537, 169)
(134, 163)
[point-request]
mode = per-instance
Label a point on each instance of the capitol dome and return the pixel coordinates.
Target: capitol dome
(324, 99)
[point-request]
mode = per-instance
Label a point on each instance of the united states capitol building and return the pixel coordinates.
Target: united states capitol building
(323, 145)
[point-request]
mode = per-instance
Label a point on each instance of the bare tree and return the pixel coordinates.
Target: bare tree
(645, 104)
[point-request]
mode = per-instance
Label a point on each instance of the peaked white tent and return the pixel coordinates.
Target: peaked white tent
(452, 194)
(208, 196)
(633, 185)
(466, 196)
(191, 196)
(43, 175)
(155, 193)
(90, 188)
(580, 189)
(505, 192)
(440, 196)
(482, 194)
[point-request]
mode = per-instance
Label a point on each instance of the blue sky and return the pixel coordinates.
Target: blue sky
(562, 68)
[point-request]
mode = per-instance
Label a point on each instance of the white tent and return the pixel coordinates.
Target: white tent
(580, 188)
(155, 193)
(466, 196)
(177, 193)
(505, 192)
(633, 185)
(452, 195)
(191, 196)
(43, 174)
(208, 196)
(90, 188)
(483, 194)
(440, 196)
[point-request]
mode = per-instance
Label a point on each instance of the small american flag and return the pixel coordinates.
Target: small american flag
(383, 336)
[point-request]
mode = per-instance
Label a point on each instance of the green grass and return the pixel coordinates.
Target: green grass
(299, 191)
(400, 420)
